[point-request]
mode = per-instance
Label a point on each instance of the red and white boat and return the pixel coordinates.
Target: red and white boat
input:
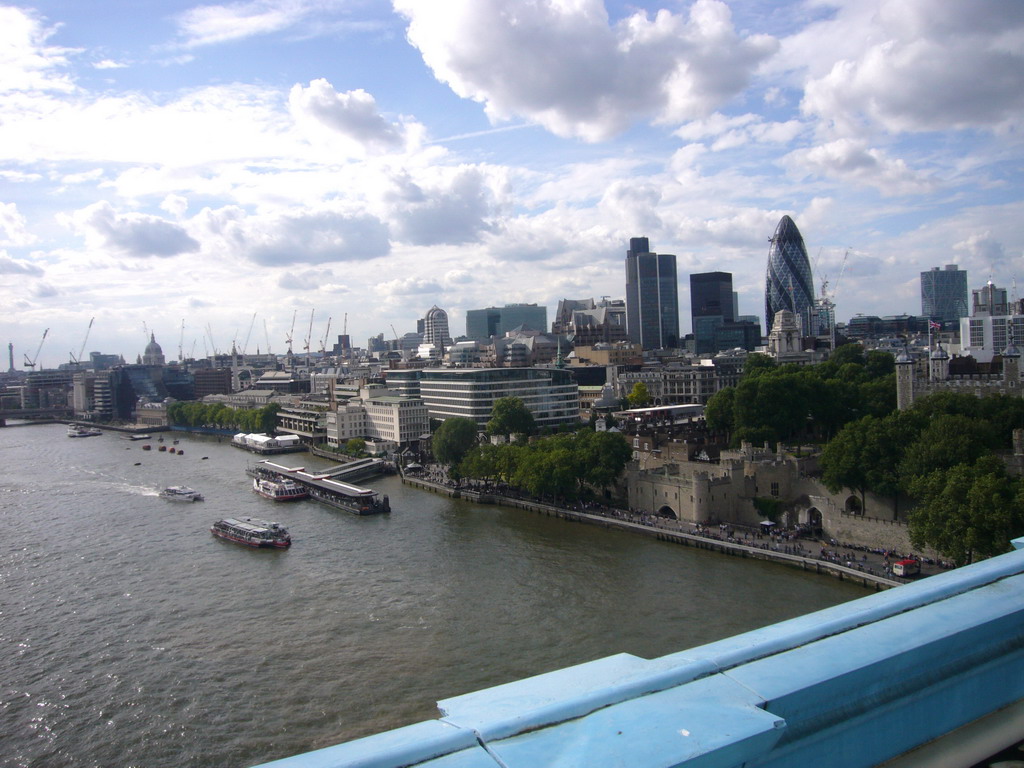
(281, 489)
(252, 532)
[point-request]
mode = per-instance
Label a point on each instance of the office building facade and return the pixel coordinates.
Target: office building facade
(944, 294)
(482, 324)
(652, 297)
(551, 394)
(789, 283)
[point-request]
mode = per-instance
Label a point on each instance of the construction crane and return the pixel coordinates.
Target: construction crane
(291, 332)
(245, 346)
(32, 363)
(266, 332)
(309, 336)
(213, 344)
(181, 342)
(323, 342)
(78, 360)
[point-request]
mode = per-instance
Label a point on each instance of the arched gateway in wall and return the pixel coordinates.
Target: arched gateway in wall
(667, 511)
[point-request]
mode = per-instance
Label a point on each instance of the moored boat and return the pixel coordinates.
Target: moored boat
(180, 493)
(279, 490)
(77, 430)
(252, 532)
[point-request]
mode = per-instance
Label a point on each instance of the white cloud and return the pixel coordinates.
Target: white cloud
(13, 228)
(562, 65)
(984, 251)
(132, 234)
(210, 24)
(352, 114)
(920, 65)
(298, 237)
(852, 160)
(458, 209)
(27, 62)
(409, 286)
(9, 266)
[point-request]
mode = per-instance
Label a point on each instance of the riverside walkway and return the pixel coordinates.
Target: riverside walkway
(672, 531)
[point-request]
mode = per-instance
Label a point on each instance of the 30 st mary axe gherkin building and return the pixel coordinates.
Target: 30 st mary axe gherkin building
(789, 284)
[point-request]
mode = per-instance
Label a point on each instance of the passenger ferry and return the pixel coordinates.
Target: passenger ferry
(252, 532)
(77, 430)
(279, 490)
(180, 493)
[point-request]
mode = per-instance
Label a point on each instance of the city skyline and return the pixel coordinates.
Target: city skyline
(179, 161)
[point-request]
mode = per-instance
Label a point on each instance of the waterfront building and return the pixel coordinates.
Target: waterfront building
(944, 294)
(379, 415)
(305, 417)
(652, 297)
(482, 324)
(789, 283)
(551, 394)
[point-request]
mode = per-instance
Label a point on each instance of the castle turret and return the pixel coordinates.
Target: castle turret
(904, 381)
(1011, 367)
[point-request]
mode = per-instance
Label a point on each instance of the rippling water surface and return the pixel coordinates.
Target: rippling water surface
(129, 636)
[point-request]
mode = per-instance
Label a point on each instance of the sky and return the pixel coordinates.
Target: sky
(239, 173)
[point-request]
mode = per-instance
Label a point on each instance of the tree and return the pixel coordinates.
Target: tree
(720, 411)
(355, 446)
(866, 455)
(968, 512)
(602, 456)
(947, 440)
(453, 439)
(757, 364)
(510, 416)
(639, 396)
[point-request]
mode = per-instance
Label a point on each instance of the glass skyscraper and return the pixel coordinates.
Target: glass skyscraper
(944, 294)
(652, 297)
(789, 284)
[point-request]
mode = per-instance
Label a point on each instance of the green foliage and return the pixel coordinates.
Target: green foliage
(756, 364)
(217, 415)
(720, 409)
(639, 396)
(561, 465)
(510, 416)
(968, 512)
(453, 440)
(355, 447)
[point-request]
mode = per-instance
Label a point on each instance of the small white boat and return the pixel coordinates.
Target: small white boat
(180, 493)
(279, 490)
(77, 430)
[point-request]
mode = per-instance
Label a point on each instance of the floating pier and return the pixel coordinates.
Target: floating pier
(325, 486)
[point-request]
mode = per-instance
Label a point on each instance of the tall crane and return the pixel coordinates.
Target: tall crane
(291, 332)
(309, 336)
(245, 346)
(266, 332)
(78, 360)
(323, 341)
(181, 342)
(32, 363)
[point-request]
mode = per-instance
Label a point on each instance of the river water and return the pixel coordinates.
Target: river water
(129, 636)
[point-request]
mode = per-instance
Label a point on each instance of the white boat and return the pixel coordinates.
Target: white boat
(180, 493)
(77, 430)
(279, 490)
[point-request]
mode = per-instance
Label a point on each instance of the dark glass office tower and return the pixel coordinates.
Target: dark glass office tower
(652, 297)
(789, 283)
(944, 294)
(710, 307)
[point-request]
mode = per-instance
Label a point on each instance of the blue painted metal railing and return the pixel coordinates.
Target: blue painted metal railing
(848, 687)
